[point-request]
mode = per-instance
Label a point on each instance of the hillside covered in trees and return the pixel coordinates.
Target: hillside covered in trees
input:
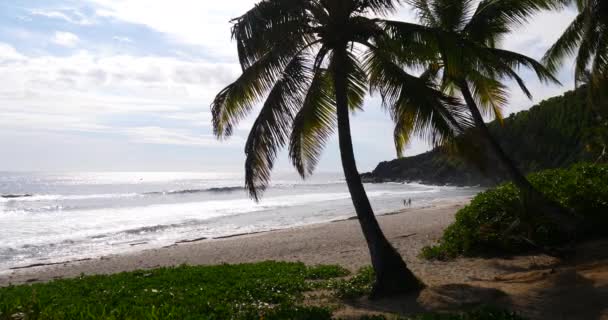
(555, 133)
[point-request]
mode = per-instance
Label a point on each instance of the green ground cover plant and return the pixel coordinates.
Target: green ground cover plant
(266, 290)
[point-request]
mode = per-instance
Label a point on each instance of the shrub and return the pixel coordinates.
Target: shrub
(495, 223)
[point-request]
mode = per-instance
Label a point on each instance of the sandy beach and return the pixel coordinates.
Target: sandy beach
(538, 286)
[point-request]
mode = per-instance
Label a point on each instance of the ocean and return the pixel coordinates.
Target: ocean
(56, 217)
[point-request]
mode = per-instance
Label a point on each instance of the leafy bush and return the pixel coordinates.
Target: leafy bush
(495, 222)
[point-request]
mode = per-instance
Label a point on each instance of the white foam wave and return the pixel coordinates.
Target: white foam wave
(57, 197)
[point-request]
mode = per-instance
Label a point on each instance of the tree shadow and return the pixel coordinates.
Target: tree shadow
(566, 295)
(569, 293)
(444, 298)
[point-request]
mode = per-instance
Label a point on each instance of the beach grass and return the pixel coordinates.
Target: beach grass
(266, 290)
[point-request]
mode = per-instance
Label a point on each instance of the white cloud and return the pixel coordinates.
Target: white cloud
(67, 14)
(86, 92)
(66, 39)
(150, 78)
(48, 122)
(195, 22)
(122, 39)
(159, 135)
(8, 53)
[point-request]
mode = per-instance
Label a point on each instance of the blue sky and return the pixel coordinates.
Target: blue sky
(126, 85)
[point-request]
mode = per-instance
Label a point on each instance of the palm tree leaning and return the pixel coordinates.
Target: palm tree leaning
(464, 57)
(300, 59)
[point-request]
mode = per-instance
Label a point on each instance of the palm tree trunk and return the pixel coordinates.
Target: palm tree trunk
(534, 201)
(392, 274)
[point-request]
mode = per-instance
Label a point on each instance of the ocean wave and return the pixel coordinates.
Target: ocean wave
(15, 196)
(55, 197)
(214, 190)
(194, 191)
(58, 197)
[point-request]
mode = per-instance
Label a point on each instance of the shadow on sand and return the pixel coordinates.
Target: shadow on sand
(575, 288)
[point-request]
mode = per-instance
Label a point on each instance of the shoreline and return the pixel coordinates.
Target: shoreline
(209, 250)
(535, 285)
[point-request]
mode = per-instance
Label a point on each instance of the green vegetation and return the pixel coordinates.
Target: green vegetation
(494, 224)
(267, 290)
(357, 286)
(247, 291)
(564, 126)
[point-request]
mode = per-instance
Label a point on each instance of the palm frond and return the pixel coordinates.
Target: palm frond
(451, 15)
(516, 60)
(356, 82)
(491, 95)
(410, 34)
(566, 45)
(424, 12)
(314, 124)
(380, 7)
(413, 103)
(588, 46)
(235, 101)
(267, 25)
(270, 130)
(494, 18)
(599, 69)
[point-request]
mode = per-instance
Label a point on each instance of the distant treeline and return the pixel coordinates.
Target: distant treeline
(557, 132)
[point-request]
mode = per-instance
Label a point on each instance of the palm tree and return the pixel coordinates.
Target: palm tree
(301, 59)
(587, 38)
(461, 40)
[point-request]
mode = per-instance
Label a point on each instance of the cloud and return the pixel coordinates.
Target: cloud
(65, 39)
(152, 78)
(114, 94)
(69, 15)
(164, 136)
(122, 39)
(48, 122)
(193, 22)
(104, 91)
(9, 54)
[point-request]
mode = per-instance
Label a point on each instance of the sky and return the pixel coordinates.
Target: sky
(124, 85)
